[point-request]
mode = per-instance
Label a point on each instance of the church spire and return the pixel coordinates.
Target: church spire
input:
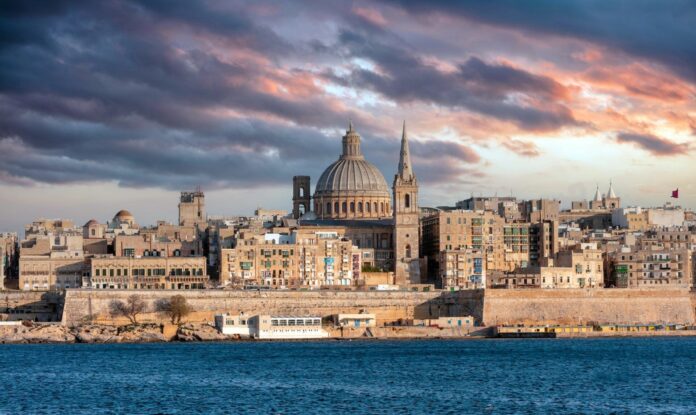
(405, 172)
(610, 193)
(597, 196)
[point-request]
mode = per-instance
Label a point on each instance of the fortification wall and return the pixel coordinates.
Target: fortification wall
(570, 306)
(530, 306)
(389, 306)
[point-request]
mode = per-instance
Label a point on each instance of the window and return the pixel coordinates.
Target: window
(344, 207)
(408, 251)
(328, 208)
(352, 207)
(360, 207)
(407, 201)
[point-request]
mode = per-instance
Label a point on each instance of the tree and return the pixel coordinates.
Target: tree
(133, 306)
(176, 308)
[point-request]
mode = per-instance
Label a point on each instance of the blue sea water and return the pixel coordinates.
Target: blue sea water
(377, 377)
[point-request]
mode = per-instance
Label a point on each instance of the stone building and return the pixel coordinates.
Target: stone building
(10, 257)
(304, 258)
(52, 262)
(652, 267)
(352, 195)
(192, 209)
(461, 230)
(171, 273)
(462, 269)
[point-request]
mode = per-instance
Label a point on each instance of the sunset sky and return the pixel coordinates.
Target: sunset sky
(108, 105)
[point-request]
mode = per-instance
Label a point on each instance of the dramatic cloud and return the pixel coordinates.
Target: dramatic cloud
(655, 145)
(655, 30)
(238, 95)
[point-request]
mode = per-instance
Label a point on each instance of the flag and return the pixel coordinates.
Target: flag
(675, 194)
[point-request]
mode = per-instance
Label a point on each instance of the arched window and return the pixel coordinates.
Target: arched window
(336, 211)
(407, 201)
(360, 207)
(382, 205)
(344, 207)
(387, 206)
(328, 208)
(408, 251)
(302, 193)
(367, 205)
(352, 207)
(376, 210)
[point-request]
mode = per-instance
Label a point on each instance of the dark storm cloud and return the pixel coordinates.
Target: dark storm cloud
(653, 144)
(494, 90)
(125, 92)
(656, 30)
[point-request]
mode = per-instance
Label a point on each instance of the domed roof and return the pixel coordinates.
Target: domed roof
(346, 175)
(123, 215)
(91, 222)
(351, 172)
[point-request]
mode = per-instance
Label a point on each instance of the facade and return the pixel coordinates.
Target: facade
(301, 259)
(53, 260)
(463, 229)
(52, 272)
(192, 209)
(652, 268)
(462, 269)
(166, 273)
(267, 327)
(540, 210)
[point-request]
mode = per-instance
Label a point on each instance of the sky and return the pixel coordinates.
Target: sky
(109, 105)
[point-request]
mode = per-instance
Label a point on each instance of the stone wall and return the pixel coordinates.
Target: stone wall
(531, 306)
(389, 306)
(572, 306)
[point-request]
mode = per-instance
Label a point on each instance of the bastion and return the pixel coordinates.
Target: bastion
(489, 307)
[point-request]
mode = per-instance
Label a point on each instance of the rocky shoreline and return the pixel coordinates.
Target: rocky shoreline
(91, 333)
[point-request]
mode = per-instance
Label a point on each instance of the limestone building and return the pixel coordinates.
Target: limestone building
(304, 258)
(353, 196)
(172, 273)
(192, 208)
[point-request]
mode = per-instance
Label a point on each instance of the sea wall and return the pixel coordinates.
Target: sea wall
(388, 306)
(572, 306)
(526, 306)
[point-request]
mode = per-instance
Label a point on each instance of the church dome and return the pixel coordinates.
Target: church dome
(352, 187)
(348, 175)
(123, 215)
(351, 173)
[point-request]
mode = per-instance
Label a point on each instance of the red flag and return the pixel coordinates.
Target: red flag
(675, 194)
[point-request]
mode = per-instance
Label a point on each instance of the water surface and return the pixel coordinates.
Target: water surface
(433, 376)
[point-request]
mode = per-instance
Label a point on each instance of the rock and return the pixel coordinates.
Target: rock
(36, 333)
(199, 332)
(96, 334)
(144, 333)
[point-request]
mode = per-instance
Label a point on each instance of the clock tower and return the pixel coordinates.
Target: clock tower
(406, 216)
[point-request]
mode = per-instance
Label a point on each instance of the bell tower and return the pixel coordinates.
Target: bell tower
(406, 216)
(300, 196)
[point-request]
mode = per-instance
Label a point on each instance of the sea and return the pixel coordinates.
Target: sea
(492, 376)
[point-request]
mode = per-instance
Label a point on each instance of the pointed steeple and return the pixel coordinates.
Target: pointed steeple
(597, 195)
(405, 171)
(610, 193)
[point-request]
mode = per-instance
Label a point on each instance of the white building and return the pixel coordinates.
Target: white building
(266, 327)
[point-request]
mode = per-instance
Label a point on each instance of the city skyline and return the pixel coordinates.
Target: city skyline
(110, 106)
